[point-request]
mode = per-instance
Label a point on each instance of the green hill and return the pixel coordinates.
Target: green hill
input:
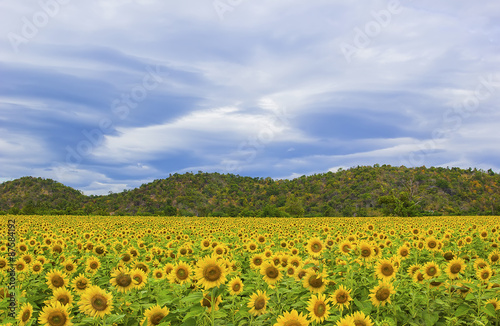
(359, 191)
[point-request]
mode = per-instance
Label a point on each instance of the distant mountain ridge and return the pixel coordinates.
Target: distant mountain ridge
(358, 191)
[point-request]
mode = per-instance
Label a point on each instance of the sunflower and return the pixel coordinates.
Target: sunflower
(366, 251)
(455, 267)
(4, 264)
(431, 270)
(484, 274)
(93, 264)
(315, 247)
(209, 302)
(154, 315)
(25, 314)
(63, 296)
(20, 265)
(36, 267)
(80, 283)
(494, 302)
(69, 267)
(235, 286)
(403, 252)
(210, 273)
(385, 270)
(95, 302)
(345, 321)
(258, 303)
(413, 269)
(180, 274)
(431, 244)
(493, 257)
(290, 271)
(139, 278)
(345, 247)
(168, 268)
(318, 308)
(381, 294)
(121, 279)
(418, 277)
(159, 274)
(315, 281)
(270, 272)
(55, 314)
(56, 279)
(360, 319)
(292, 318)
(341, 298)
(142, 266)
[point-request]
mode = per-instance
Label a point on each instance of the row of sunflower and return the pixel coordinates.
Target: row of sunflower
(214, 271)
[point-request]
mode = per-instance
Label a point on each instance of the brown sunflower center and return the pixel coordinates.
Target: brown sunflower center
(260, 303)
(156, 318)
(448, 255)
(382, 294)
(94, 265)
(319, 309)
(341, 297)
(366, 252)
(81, 284)
(36, 268)
(272, 272)
(257, 261)
(57, 281)
(56, 318)
(290, 271)
(126, 257)
(99, 250)
(316, 247)
(494, 257)
(63, 299)
(387, 269)
(455, 268)
(212, 273)
(236, 287)
(315, 281)
(181, 274)
(159, 274)
(99, 302)
(138, 279)
(292, 323)
(3, 263)
(485, 274)
(404, 252)
(432, 244)
(431, 271)
(20, 266)
(26, 315)
(123, 280)
(70, 267)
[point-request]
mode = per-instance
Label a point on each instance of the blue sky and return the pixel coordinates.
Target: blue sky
(107, 95)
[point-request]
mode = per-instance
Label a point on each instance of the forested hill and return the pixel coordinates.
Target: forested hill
(359, 191)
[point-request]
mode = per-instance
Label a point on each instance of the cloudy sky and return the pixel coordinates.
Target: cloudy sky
(106, 95)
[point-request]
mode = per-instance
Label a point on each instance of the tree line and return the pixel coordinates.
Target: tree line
(379, 190)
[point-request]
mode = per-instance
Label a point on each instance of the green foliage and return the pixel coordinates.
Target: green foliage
(358, 191)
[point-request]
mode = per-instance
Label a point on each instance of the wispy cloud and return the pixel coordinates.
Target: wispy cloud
(238, 89)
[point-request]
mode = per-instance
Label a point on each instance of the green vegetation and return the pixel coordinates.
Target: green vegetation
(360, 191)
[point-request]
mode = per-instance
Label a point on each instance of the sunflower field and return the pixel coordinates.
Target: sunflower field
(68, 270)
